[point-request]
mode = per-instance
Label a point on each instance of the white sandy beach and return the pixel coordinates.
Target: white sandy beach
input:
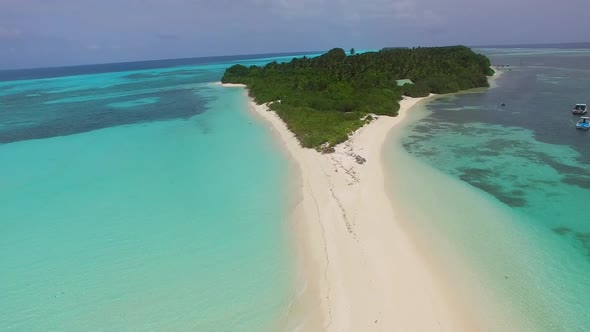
(362, 271)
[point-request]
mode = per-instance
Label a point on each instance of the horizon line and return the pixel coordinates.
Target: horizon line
(162, 59)
(514, 45)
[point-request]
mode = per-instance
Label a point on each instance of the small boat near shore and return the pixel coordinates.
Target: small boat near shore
(583, 123)
(580, 109)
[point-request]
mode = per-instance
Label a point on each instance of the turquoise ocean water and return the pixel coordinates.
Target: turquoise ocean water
(507, 188)
(139, 197)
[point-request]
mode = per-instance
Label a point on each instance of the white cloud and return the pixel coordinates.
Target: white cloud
(9, 33)
(405, 11)
(93, 47)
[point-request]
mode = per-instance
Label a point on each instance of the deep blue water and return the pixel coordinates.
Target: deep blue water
(37, 73)
(49, 102)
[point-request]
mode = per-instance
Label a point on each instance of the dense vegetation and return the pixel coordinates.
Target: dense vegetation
(323, 99)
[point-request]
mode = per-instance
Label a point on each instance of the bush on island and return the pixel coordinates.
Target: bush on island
(324, 99)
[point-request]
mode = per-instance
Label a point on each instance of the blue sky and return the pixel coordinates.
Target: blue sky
(35, 33)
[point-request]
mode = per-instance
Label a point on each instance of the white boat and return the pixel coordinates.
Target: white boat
(583, 123)
(580, 109)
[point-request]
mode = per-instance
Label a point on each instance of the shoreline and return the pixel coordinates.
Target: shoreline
(361, 271)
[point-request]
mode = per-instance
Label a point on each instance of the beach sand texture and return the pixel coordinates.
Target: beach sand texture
(362, 271)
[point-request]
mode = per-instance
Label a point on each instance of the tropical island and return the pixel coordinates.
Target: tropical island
(324, 99)
(361, 271)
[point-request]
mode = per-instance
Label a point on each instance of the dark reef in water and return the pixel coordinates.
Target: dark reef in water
(582, 237)
(32, 115)
(585, 239)
(482, 179)
(582, 181)
(562, 230)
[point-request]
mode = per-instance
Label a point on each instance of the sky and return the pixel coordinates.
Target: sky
(42, 33)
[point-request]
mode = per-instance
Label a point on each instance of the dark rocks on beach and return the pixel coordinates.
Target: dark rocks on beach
(327, 150)
(360, 159)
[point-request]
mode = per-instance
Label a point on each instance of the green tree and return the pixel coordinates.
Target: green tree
(323, 99)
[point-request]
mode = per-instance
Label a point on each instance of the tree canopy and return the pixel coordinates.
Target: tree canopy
(324, 99)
